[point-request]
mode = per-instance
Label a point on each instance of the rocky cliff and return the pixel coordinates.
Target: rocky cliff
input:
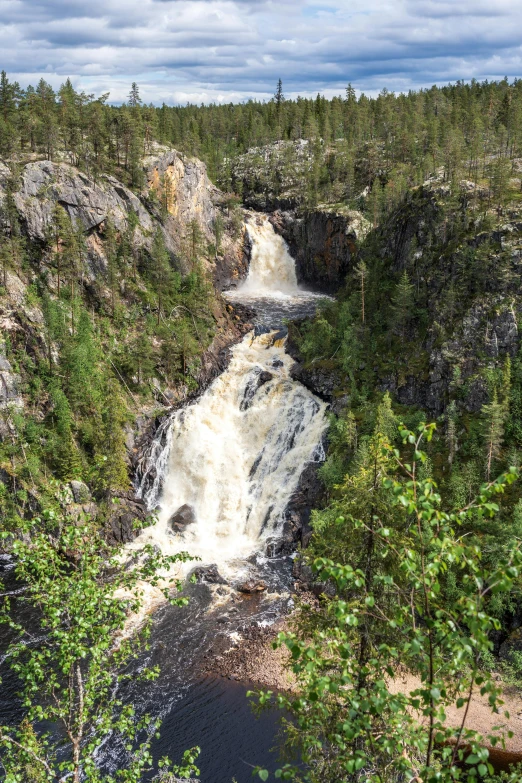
(182, 181)
(324, 243)
(463, 267)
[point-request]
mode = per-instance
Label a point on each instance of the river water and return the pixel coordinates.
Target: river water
(231, 460)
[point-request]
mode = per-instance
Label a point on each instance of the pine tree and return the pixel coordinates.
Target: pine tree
(134, 96)
(9, 98)
(47, 125)
(193, 242)
(279, 100)
(60, 236)
(219, 228)
(111, 254)
(143, 355)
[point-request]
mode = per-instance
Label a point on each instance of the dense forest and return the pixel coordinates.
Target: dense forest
(393, 140)
(413, 557)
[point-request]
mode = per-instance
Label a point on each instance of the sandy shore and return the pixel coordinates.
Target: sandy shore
(253, 660)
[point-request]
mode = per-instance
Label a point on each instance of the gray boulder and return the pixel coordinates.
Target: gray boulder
(208, 574)
(182, 518)
(80, 492)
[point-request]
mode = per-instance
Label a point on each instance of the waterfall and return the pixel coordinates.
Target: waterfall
(272, 268)
(223, 469)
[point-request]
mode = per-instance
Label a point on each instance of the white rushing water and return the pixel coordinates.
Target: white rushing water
(272, 268)
(234, 457)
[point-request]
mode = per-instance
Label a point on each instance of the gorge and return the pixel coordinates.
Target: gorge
(169, 384)
(230, 462)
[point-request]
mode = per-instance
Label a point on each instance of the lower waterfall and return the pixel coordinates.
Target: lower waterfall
(228, 464)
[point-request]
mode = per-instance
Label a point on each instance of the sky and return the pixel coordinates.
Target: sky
(182, 51)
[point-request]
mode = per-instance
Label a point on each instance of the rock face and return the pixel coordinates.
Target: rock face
(188, 192)
(121, 527)
(88, 203)
(182, 518)
(9, 384)
(323, 243)
(183, 185)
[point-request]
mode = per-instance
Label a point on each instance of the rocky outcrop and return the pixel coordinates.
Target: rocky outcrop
(274, 176)
(43, 184)
(182, 181)
(182, 185)
(127, 514)
(9, 384)
(324, 243)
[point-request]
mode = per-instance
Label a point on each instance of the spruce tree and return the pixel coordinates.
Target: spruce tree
(402, 304)
(66, 455)
(114, 473)
(493, 417)
(362, 273)
(160, 270)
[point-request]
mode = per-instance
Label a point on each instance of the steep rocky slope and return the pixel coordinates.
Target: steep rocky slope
(39, 324)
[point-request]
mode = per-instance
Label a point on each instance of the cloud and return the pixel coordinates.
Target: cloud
(222, 50)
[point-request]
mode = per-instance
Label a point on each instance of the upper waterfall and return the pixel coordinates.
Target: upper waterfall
(271, 286)
(272, 268)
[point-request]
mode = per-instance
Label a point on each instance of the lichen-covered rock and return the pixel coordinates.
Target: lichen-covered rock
(88, 203)
(80, 492)
(9, 385)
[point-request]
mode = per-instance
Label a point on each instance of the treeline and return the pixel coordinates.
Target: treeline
(362, 137)
(78, 127)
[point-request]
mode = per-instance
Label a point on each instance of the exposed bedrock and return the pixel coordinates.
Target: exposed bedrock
(324, 243)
